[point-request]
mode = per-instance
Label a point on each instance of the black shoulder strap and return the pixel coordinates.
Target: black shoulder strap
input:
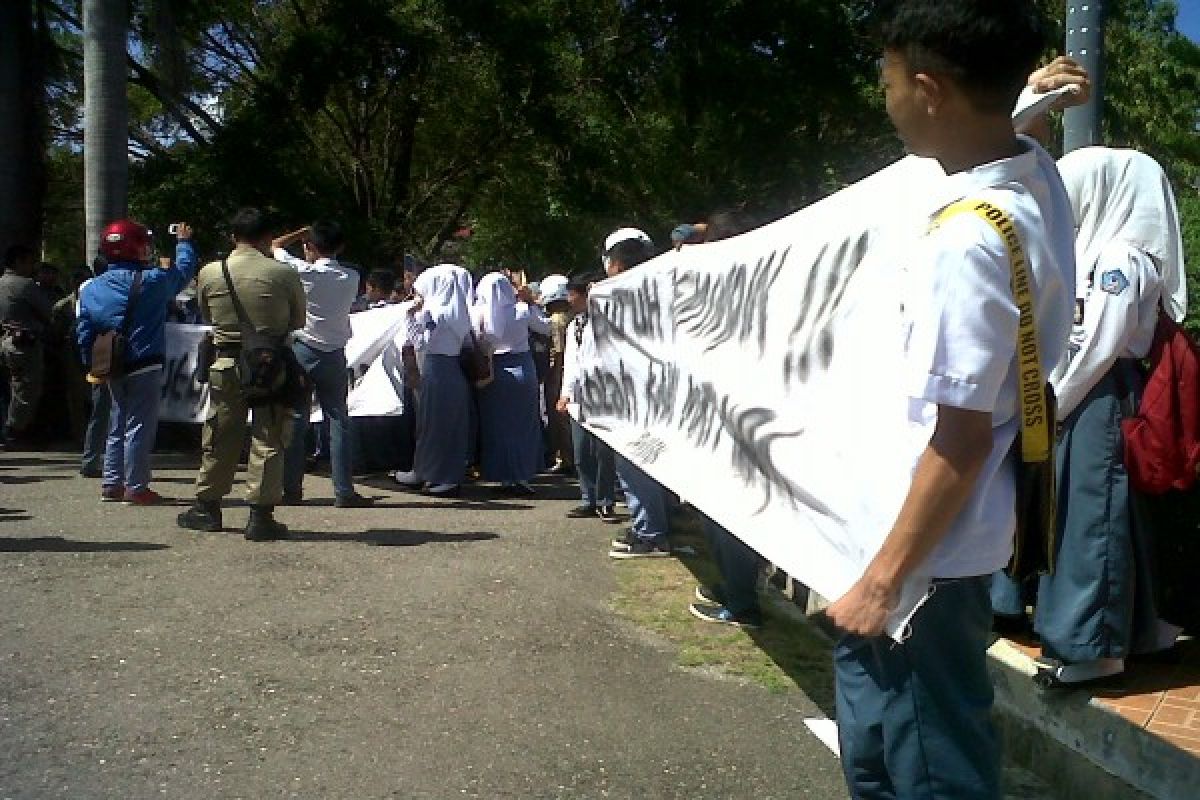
(131, 303)
(237, 304)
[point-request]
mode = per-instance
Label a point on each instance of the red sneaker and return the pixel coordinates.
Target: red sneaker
(112, 494)
(143, 497)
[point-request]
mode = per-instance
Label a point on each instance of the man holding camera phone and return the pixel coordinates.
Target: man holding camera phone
(131, 299)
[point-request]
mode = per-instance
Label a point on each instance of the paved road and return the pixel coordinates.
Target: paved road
(425, 649)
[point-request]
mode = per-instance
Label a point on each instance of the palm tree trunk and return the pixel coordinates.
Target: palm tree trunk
(106, 117)
(23, 163)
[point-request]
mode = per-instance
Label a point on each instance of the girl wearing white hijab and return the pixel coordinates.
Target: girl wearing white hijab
(1098, 606)
(439, 323)
(510, 425)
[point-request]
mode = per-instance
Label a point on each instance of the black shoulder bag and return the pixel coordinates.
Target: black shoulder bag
(108, 348)
(266, 367)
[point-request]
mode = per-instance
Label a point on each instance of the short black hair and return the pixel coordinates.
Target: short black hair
(249, 225)
(383, 279)
(631, 252)
(726, 223)
(17, 253)
(987, 47)
(326, 237)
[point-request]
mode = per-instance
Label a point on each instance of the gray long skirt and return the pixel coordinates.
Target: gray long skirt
(443, 418)
(1100, 598)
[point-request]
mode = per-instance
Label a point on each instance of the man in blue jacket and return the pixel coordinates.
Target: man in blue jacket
(133, 286)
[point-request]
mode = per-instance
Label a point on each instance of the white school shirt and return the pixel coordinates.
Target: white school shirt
(1120, 313)
(960, 334)
(578, 355)
(516, 333)
(330, 290)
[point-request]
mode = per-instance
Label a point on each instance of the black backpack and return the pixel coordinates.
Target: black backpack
(267, 369)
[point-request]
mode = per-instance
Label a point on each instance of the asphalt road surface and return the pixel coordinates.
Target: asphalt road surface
(422, 649)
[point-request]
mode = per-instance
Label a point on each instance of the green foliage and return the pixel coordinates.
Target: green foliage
(1189, 213)
(540, 125)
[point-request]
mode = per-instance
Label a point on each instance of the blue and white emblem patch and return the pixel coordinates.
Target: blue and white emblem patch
(1114, 281)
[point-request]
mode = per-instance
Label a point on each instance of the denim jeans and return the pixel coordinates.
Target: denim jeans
(97, 430)
(738, 565)
(914, 718)
(596, 467)
(646, 500)
(132, 427)
(327, 371)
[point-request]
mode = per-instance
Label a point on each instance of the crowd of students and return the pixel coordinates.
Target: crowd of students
(1101, 238)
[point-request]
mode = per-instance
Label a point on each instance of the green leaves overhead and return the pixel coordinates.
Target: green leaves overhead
(538, 125)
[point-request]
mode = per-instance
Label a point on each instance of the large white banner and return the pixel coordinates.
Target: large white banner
(373, 365)
(757, 377)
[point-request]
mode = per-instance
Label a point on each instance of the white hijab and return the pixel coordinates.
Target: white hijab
(1124, 196)
(447, 294)
(496, 304)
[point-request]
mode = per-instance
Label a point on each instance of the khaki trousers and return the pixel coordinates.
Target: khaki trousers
(224, 432)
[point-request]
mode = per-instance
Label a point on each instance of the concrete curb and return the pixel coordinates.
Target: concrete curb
(1074, 721)
(1079, 747)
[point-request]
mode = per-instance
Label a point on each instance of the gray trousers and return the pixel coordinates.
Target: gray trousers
(24, 365)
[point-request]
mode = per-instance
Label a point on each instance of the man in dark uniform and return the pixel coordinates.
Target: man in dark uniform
(24, 316)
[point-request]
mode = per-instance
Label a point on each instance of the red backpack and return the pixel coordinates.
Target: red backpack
(1162, 441)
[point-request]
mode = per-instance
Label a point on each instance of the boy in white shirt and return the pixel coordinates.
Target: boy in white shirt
(594, 460)
(914, 717)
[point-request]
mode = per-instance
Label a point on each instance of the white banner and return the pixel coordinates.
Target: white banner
(184, 399)
(373, 361)
(757, 378)
(373, 364)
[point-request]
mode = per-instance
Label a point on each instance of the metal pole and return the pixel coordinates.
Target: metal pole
(1085, 44)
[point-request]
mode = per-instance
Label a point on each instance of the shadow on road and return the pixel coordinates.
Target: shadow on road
(14, 515)
(25, 479)
(393, 538)
(57, 544)
(466, 505)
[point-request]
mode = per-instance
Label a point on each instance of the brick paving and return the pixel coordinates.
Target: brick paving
(1161, 699)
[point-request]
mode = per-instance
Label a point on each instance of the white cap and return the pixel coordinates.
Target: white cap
(554, 287)
(621, 235)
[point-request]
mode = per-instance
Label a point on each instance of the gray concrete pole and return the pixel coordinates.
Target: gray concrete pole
(1085, 44)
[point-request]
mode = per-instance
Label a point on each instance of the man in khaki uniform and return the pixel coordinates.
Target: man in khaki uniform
(273, 298)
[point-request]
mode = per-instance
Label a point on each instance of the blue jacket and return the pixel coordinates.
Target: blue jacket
(102, 303)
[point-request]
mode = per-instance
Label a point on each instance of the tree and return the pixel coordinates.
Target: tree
(22, 139)
(106, 115)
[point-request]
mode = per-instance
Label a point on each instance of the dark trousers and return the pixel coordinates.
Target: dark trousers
(914, 718)
(738, 565)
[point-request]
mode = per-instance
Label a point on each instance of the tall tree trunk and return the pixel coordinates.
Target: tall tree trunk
(22, 126)
(106, 117)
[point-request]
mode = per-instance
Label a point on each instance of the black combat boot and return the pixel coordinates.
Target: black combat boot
(263, 527)
(204, 515)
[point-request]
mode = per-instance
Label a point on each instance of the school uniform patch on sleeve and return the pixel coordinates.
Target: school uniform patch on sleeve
(1114, 281)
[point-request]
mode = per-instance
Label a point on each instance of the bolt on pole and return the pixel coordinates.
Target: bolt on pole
(1085, 44)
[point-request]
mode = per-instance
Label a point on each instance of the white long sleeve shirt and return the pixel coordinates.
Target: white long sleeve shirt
(1120, 312)
(331, 290)
(578, 356)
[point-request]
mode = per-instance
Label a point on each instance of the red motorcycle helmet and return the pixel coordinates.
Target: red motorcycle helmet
(125, 240)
